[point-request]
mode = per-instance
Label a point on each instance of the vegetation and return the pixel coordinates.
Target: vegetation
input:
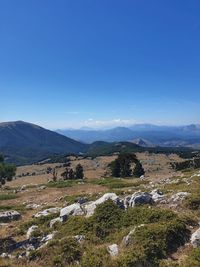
(7, 171)
(187, 164)
(70, 174)
(121, 167)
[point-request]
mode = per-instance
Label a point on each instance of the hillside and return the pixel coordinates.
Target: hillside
(24, 142)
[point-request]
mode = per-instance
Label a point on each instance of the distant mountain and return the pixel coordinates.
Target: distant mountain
(24, 142)
(188, 135)
(90, 136)
(142, 142)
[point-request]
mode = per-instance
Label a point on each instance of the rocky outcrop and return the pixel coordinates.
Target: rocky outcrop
(195, 238)
(90, 207)
(138, 198)
(74, 209)
(8, 216)
(31, 230)
(47, 212)
(157, 196)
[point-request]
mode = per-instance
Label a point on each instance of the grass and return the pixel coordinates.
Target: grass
(62, 184)
(7, 196)
(117, 183)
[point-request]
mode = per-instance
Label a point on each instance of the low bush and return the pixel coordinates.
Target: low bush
(193, 202)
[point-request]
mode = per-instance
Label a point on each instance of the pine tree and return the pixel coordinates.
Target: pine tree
(71, 174)
(79, 172)
(138, 170)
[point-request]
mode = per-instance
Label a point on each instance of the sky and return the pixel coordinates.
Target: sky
(100, 63)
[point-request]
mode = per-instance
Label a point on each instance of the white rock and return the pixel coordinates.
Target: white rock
(178, 197)
(45, 240)
(47, 212)
(113, 250)
(195, 238)
(157, 195)
(138, 198)
(8, 216)
(31, 230)
(74, 209)
(54, 221)
(126, 240)
(79, 238)
(33, 206)
(92, 205)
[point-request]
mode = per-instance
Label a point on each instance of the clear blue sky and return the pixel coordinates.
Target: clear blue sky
(100, 62)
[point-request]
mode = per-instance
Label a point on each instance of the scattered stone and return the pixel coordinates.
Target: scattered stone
(33, 206)
(42, 187)
(8, 216)
(79, 238)
(47, 212)
(31, 230)
(23, 187)
(195, 238)
(178, 197)
(113, 250)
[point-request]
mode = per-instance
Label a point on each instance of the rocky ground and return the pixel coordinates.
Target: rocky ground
(104, 221)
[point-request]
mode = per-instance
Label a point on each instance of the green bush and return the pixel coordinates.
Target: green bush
(106, 219)
(153, 242)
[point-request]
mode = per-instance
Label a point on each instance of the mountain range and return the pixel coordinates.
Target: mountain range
(145, 134)
(25, 143)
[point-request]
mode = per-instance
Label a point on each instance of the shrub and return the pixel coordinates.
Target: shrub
(153, 242)
(106, 219)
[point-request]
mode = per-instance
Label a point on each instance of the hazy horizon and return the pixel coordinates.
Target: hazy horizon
(73, 64)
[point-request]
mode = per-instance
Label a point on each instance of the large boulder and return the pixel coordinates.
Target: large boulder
(138, 198)
(74, 209)
(8, 216)
(90, 207)
(195, 238)
(47, 212)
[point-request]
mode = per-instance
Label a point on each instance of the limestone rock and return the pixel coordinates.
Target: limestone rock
(195, 238)
(31, 230)
(8, 216)
(74, 209)
(113, 250)
(92, 205)
(47, 212)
